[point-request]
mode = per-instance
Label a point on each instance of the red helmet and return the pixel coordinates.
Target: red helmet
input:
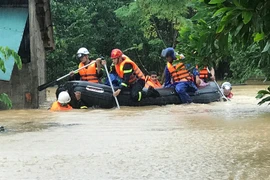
(116, 53)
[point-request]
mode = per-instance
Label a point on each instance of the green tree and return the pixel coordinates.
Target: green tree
(219, 34)
(90, 24)
(246, 22)
(5, 54)
(231, 35)
(153, 26)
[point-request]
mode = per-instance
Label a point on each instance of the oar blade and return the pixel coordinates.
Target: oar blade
(44, 86)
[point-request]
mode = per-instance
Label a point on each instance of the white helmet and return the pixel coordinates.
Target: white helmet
(226, 85)
(82, 51)
(64, 97)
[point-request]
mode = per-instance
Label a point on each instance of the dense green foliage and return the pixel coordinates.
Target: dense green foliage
(246, 22)
(90, 24)
(261, 95)
(231, 35)
(5, 54)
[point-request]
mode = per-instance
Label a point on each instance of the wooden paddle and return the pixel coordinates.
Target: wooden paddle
(44, 86)
(109, 78)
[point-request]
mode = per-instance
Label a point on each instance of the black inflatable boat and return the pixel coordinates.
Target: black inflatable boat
(100, 95)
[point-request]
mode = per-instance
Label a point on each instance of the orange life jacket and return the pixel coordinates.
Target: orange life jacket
(137, 73)
(178, 73)
(56, 106)
(149, 82)
(88, 74)
(204, 74)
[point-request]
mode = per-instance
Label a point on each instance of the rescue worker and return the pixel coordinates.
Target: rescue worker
(178, 76)
(152, 80)
(62, 102)
(226, 88)
(91, 73)
(130, 74)
(76, 102)
(203, 76)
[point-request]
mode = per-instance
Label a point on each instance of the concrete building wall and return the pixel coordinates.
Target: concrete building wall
(22, 88)
(37, 55)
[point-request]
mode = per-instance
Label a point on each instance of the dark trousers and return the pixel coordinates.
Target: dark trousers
(136, 91)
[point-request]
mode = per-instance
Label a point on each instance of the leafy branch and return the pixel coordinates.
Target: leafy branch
(261, 95)
(5, 54)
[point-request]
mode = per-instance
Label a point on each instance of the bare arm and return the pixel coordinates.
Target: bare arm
(213, 74)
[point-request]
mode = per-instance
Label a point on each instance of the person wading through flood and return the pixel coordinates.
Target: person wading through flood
(226, 88)
(132, 77)
(62, 102)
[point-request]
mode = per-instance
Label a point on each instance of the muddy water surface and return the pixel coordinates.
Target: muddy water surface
(222, 140)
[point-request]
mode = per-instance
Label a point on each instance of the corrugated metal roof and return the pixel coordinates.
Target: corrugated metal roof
(12, 26)
(44, 18)
(13, 2)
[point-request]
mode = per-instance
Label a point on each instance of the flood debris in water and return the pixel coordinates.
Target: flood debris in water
(2, 129)
(30, 126)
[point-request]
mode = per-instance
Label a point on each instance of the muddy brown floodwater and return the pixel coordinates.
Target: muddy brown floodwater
(222, 140)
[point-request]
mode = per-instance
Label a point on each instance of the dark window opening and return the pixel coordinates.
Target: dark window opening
(24, 50)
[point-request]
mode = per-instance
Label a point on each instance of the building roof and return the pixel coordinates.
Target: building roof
(14, 3)
(43, 12)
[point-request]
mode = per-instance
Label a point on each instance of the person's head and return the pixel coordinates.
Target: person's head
(116, 56)
(227, 87)
(63, 98)
(153, 75)
(169, 54)
(82, 54)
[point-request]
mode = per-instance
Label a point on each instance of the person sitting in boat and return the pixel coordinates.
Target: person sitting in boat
(226, 88)
(132, 77)
(91, 73)
(179, 75)
(203, 76)
(116, 81)
(62, 102)
(152, 80)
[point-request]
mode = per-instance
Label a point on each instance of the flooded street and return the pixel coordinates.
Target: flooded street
(222, 140)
